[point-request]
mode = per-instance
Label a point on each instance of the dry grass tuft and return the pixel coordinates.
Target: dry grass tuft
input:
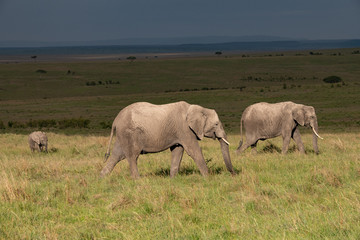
(121, 203)
(327, 177)
(339, 145)
(11, 189)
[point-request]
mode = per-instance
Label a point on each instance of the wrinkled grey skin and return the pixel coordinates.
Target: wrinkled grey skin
(38, 141)
(146, 128)
(264, 120)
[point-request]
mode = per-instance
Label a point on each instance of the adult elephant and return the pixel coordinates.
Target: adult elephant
(264, 120)
(147, 128)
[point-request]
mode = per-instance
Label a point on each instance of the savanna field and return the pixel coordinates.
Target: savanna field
(59, 195)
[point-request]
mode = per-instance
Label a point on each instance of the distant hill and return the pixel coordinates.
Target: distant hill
(148, 41)
(244, 46)
(275, 45)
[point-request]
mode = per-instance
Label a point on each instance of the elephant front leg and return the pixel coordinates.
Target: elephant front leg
(176, 157)
(195, 153)
(297, 138)
(286, 142)
(37, 147)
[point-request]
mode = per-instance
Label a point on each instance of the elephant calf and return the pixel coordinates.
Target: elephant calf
(264, 120)
(146, 128)
(38, 141)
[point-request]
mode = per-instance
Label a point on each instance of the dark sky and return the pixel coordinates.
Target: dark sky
(87, 20)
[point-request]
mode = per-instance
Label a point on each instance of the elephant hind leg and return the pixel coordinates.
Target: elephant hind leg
(253, 148)
(243, 147)
(250, 141)
(133, 165)
(116, 156)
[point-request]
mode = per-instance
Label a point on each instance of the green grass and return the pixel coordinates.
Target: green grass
(59, 195)
(26, 94)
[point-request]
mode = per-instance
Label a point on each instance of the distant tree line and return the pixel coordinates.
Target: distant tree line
(48, 123)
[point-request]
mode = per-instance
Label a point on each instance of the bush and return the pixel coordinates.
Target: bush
(92, 83)
(14, 124)
(40, 71)
(32, 124)
(2, 126)
(50, 123)
(131, 58)
(332, 79)
(74, 123)
(105, 125)
(47, 123)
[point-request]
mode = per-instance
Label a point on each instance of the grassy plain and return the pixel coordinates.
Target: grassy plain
(227, 84)
(60, 196)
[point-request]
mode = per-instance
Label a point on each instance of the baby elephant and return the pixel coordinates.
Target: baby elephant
(264, 120)
(38, 141)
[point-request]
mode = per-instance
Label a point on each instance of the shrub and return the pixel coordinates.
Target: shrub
(74, 123)
(40, 71)
(14, 124)
(131, 58)
(2, 126)
(92, 83)
(332, 79)
(32, 124)
(47, 123)
(105, 125)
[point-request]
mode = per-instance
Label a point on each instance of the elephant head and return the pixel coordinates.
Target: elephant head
(38, 140)
(206, 123)
(305, 116)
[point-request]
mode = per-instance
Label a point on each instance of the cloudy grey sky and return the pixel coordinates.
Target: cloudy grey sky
(79, 20)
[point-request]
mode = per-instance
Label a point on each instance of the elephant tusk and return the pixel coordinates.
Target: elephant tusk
(316, 133)
(225, 141)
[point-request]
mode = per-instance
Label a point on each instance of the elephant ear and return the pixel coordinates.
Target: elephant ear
(196, 120)
(36, 138)
(298, 115)
(43, 138)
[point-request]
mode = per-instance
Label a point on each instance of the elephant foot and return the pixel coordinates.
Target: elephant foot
(104, 172)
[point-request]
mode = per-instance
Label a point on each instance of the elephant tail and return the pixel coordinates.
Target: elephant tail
(241, 134)
(107, 154)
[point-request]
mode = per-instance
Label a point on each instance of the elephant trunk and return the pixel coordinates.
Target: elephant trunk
(315, 130)
(226, 154)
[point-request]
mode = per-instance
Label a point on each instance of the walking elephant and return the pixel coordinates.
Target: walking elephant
(38, 141)
(264, 120)
(146, 128)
